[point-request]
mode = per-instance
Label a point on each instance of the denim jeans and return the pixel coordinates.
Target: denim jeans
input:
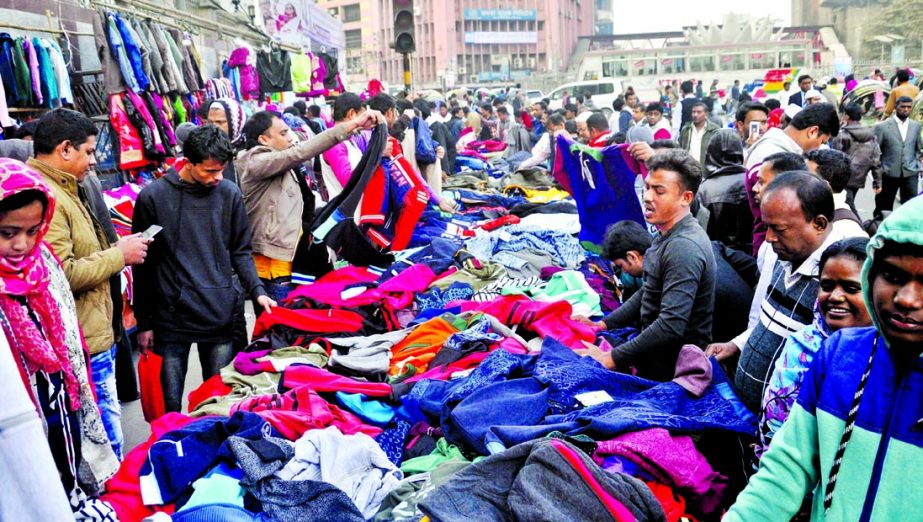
(102, 367)
(212, 357)
(278, 288)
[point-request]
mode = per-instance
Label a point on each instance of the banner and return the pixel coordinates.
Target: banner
(301, 23)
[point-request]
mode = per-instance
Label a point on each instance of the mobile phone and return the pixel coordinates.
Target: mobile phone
(754, 129)
(151, 232)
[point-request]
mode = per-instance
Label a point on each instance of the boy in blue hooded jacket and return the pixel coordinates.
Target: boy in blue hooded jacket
(855, 435)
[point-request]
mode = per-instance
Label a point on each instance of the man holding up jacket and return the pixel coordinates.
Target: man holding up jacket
(278, 200)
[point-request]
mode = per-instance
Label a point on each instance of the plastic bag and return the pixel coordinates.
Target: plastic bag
(151, 392)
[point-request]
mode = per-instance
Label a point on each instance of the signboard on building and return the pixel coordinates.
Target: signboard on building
(500, 14)
(501, 37)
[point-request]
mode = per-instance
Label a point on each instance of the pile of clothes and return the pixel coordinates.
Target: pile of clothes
(444, 385)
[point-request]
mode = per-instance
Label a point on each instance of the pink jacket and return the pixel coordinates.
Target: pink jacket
(249, 81)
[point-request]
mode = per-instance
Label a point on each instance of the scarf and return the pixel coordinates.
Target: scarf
(28, 279)
(235, 115)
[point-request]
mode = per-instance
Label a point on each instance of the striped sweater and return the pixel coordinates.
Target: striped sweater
(787, 309)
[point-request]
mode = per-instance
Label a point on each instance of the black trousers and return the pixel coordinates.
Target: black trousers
(907, 186)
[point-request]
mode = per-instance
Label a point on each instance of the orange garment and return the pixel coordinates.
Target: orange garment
(420, 347)
(268, 268)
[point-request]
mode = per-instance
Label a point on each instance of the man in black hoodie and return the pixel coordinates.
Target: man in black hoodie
(184, 294)
(859, 143)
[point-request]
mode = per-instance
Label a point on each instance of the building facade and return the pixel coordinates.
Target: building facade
(463, 42)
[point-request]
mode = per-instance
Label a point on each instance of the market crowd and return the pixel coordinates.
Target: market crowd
(466, 311)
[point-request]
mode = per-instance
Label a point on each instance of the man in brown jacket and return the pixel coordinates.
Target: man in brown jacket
(903, 88)
(65, 147)
(275, 191)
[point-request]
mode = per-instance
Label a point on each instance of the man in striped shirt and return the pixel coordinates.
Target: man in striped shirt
(798, 211)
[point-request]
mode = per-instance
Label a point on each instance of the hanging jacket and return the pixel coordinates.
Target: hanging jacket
(184, 289)
(22, 75)
(156, 58)
(166, 67)
(172, 57)
(243, 60)
(34, 75)
(145, 48)
(724, 194)
(65, 94)
(133, 51)
(275, 71)
(108, 60)
(49, 83)
(7, 66)
(884, 454)
(117, 45)
(145, 131)
(196, 60)
(193, 80)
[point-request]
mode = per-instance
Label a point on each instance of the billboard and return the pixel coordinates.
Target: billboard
(301, 23)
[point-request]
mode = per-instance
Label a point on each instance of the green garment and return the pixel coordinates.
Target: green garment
(301, 72)
(570, 286)
(443, 453)
(22, 75)
(477, 278)
(180, 109)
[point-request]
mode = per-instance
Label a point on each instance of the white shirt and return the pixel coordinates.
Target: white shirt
(540, 152)
(902, 126)
(695, 142)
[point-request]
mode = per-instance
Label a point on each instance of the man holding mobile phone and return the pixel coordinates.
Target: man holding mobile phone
(751, 120)
(184, 293)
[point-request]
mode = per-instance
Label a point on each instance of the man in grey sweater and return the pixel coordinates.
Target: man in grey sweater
(675, 305)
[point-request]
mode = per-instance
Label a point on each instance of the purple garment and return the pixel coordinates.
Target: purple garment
(246, 362)
(167, 125)
(672, 460)
(249, 80)
(693, 370)
(32, 58)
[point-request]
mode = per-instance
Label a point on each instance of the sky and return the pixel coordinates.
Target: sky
(672, 15)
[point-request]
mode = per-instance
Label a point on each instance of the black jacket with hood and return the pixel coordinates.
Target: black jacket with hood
(860, 143)
(184, 290)
(723, 193)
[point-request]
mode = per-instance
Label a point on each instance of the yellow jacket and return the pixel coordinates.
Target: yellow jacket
(904, 89)
(88, 260)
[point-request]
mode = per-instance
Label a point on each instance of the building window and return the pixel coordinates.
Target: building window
(351, 13)
(616, 69)
(353, 38)
(701, 64)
